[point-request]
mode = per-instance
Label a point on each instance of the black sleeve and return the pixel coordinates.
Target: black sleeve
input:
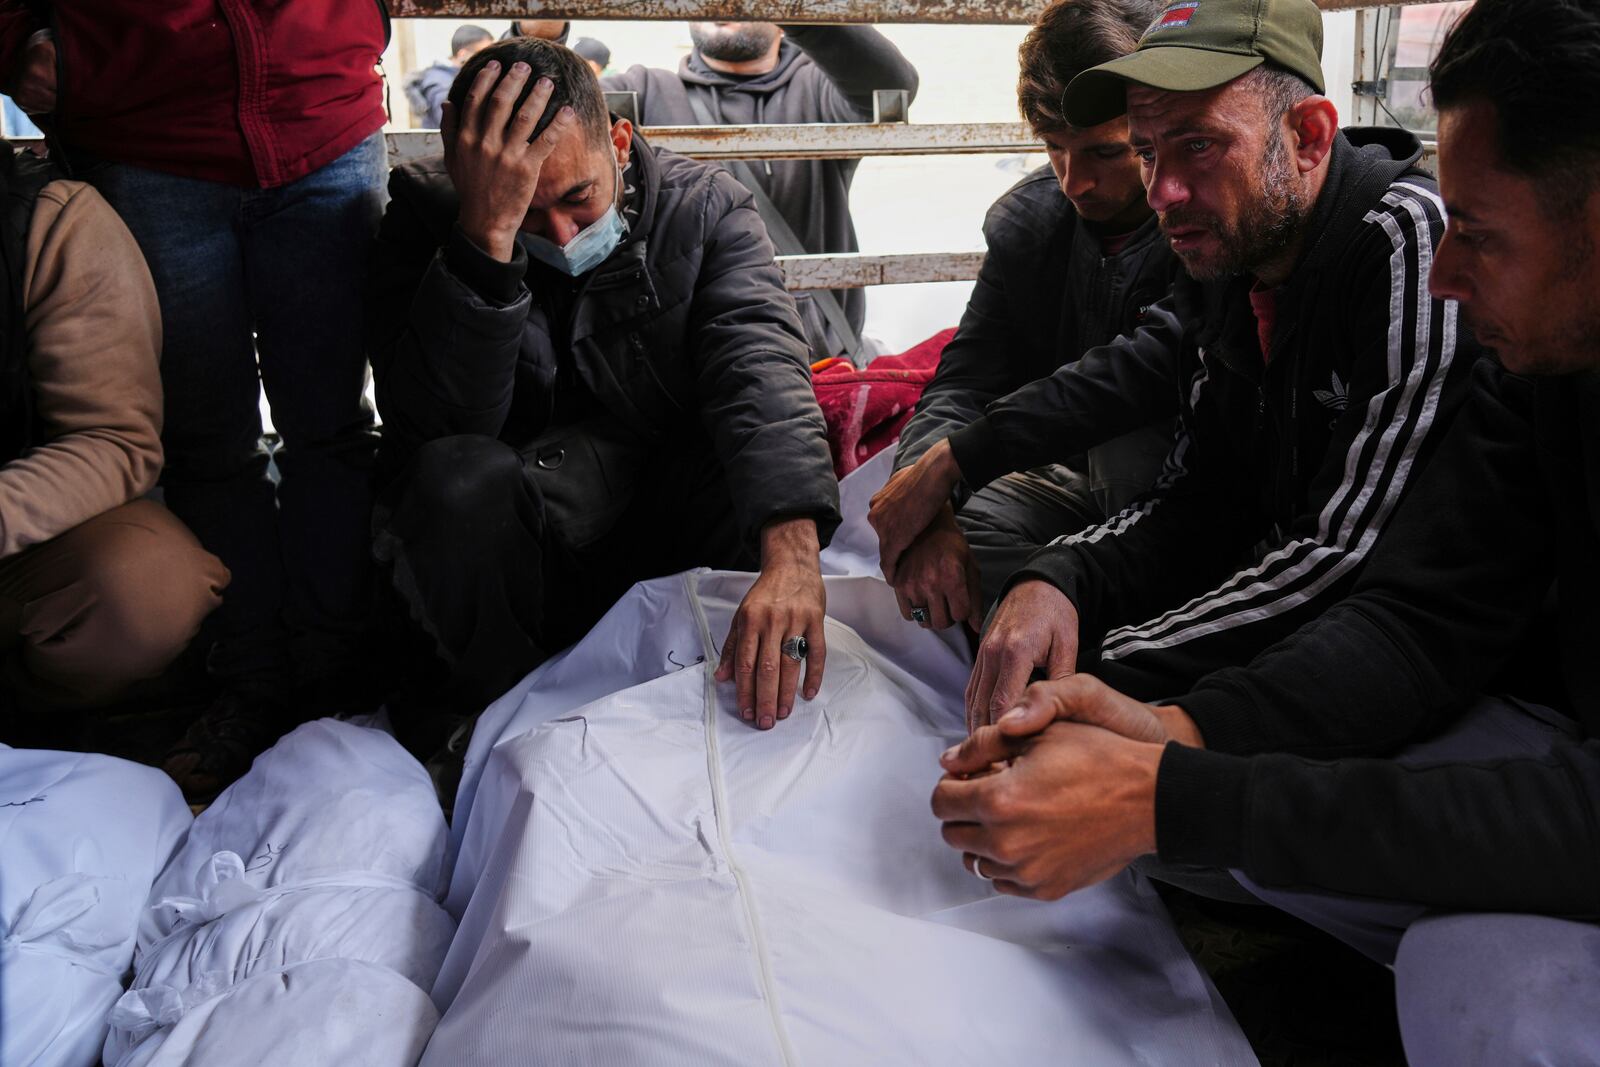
(1506, 835)
(1111, 390)
(857, 61)
(754, 378)
(1461, 573)
(1176, 541)
(1459, 576)
(444, 326)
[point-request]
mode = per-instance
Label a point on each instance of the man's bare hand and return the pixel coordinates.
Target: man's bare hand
(1070, 807)
(35, 90)
(788, 600)
(492, 164)
(1034, 627)
(909, 502)
(938, 573)
(1080, 698)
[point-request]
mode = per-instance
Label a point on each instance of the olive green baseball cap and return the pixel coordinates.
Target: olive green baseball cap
(1194, 45)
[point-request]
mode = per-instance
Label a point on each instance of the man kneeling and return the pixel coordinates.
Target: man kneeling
(589, 373)
(99, 588)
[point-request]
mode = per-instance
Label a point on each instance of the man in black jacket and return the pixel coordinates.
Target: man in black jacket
(1076, 258)
(589, 374)
(1313, 367)
(1461, 859)
(751, 73)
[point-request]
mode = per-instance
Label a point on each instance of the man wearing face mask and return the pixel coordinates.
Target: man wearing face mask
(751, 73)
(589, 374)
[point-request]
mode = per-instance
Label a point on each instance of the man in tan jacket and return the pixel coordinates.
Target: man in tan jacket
(99, 587)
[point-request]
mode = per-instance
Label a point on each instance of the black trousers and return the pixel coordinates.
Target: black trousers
(474, 554)
(1013, 517)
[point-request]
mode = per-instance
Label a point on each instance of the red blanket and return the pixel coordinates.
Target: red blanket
(867, 409)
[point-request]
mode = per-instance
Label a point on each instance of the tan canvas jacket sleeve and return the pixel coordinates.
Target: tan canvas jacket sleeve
(94, 341)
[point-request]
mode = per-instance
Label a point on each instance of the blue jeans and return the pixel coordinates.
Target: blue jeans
(264, 288)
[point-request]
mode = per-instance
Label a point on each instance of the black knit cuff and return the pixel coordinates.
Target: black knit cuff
(1223, 716)
(1201, 801)
(497, 282)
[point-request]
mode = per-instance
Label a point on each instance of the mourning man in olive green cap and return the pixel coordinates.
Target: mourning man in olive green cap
(1316, 374)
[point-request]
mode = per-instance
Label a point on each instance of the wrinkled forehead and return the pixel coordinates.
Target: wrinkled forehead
(1156, 113)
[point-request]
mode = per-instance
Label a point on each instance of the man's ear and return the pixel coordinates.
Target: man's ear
(1314, 122)
(622, 140)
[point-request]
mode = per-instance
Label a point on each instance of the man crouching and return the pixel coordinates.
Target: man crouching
(589, 373)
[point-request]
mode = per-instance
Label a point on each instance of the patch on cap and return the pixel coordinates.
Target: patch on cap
(1175, 15)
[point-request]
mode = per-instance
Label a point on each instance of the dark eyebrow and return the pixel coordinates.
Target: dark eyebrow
(580, 187)
(1176, 133)
(1460, 214)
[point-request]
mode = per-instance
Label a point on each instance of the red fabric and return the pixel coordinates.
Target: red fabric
(1264, 302)
(235, 91)
(867, 409)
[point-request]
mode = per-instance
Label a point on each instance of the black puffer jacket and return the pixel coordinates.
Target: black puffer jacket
(1046, 294)
(824, 74)
(685, 335)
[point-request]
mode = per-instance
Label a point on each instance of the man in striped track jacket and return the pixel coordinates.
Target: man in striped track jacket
(1316, 371)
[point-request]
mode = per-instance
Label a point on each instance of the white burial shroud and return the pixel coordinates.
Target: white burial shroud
(82, 837)
(645, 879)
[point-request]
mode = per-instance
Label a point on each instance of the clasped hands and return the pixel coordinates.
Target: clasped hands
(1059, 792)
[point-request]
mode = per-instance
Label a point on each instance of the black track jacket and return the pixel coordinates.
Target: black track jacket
(1510, 504)
(1284, 474)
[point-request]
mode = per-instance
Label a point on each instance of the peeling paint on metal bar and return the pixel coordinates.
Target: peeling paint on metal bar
(856, 271)
(979, 12)
(816, 141)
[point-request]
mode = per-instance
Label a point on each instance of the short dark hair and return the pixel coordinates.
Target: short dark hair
(1069, 38)
(1536, 63)
(467, 36)
(1279, 89)
(575, 83)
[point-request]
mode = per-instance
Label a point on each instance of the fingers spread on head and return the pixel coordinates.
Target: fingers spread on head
(527, 116)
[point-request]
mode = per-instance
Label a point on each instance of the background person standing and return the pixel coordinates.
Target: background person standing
(241, 144)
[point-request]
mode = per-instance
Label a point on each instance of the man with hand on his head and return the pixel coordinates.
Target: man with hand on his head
(1076, 258)
(1313, 369)
(1366, 774)
(589, 374)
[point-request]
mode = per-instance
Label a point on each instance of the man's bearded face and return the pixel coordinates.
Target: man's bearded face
(733, 42)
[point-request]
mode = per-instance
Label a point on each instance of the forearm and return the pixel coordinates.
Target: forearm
(1111, 390)
(790, 542)
(858, 60)
(1513, 835)
(450, 369)
(94, 342)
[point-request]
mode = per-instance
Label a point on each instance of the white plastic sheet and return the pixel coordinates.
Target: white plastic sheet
(300, 922)
(645, 879)
(81, 839)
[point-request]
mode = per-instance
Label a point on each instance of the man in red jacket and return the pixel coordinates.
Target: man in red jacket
(240, 143)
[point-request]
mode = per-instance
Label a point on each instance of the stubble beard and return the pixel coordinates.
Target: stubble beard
(739, 44)
(1268, 225)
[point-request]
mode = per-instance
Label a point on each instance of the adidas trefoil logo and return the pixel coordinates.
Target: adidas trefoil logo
(1334, 398)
